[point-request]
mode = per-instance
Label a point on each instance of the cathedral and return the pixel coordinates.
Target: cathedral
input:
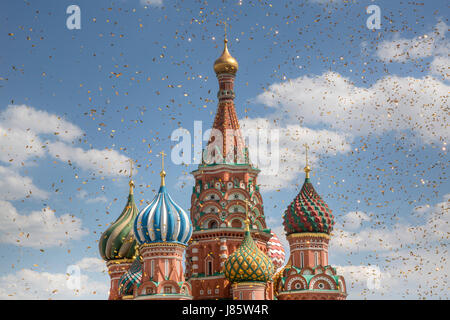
(223, 248)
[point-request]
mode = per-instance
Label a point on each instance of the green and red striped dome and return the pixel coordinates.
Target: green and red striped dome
(308, 213)
(118, 241)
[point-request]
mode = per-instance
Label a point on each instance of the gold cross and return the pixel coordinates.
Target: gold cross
(162, 159)
(306, 147)
(131, 183)
(225, 27)
(131, 168)
(307, 168)
(162, 173)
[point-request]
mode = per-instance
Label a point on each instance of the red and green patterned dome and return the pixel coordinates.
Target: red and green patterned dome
(308, 212)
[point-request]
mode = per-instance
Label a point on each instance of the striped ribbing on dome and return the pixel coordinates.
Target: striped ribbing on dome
(163, 221)
(129, 278)
(118, 241)
(308, 213)
(276, 251)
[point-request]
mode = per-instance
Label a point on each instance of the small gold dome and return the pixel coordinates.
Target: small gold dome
(226, 63)
(248, 263)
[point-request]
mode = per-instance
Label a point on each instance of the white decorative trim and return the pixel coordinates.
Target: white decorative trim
(326, 279)
(206, 278)
(309, 248)
(162, 257)
(295, 279)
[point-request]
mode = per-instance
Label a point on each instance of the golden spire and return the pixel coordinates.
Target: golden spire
(307, 169)
(131, 183)
(226, 63)
(162, 173)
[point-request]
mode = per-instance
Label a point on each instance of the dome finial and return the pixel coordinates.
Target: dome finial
(226, 63)
(307, 168)
(131, 183)
(225, 29)
(162, 173)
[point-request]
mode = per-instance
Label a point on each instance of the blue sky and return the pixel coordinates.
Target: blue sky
(373, 105)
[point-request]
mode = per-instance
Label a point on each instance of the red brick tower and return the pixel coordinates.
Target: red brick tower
(308, 223)
(223, 183)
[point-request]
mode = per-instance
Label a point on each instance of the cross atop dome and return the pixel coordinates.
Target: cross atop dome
(162, 173)
(307, 168)
(226, 63)
(131, 183)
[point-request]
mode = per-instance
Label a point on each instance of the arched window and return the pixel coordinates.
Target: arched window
(213, 224)
(302, 263)
(316, 259)
(209, 268)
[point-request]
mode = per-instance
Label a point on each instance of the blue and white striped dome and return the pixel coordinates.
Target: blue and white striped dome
(162, 221)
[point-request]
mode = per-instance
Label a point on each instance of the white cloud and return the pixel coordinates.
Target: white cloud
(17, 145)
(23, 129)
(83, 194)
(434, 45)
(402, 49)
(365, 281)
(156, 3)
(411, 260)
(39, 229)
(13, 186)
(353, 220)
(440, 66)
(401, 274)
(105, 162)
(30, 284)
(40, 122)
(92, 264)
(426, 45)
(391, 104)
(280, 166)
(434, 229)
(185, 180)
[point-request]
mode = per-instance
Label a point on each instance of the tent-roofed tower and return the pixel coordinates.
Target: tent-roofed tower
(224, 181)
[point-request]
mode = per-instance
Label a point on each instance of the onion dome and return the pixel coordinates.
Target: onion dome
(276, 251)
(226, 63)
(163, 220)
(308, 212)
(248, 262)
(131, 277)
(118, 241)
